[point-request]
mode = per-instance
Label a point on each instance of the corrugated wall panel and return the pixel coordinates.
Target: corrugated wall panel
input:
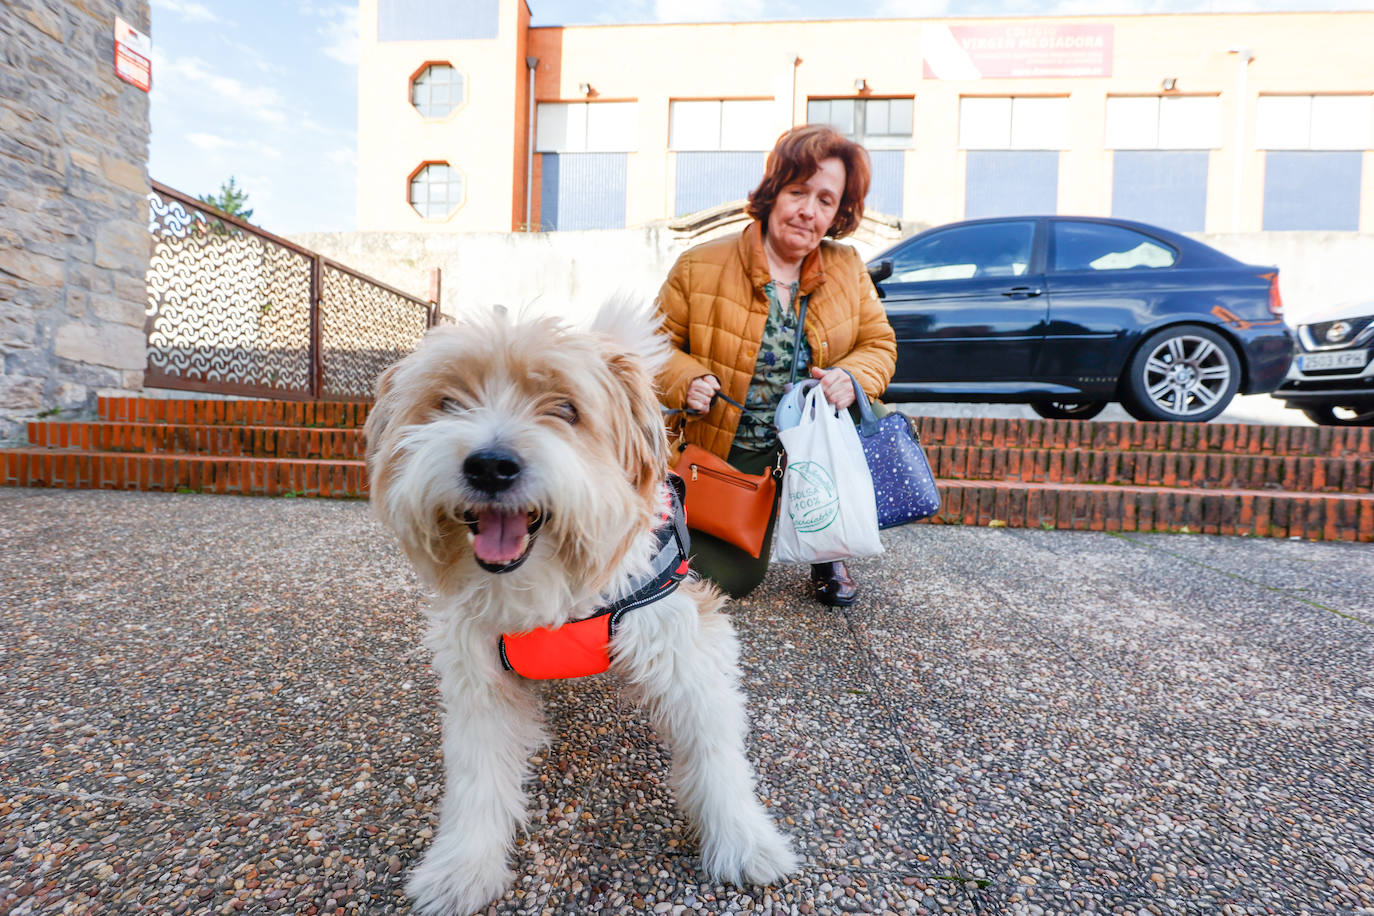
(889, 175)
(708, 179)
(1164, 187)
(436, 20)
(582, 191)
(1011, 183)
(1310, 189)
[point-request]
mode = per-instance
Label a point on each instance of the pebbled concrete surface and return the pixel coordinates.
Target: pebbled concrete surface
(218, 705)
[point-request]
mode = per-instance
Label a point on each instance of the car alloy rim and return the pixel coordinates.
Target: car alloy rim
(1187, 375)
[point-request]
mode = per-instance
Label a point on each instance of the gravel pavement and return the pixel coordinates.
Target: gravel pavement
(218, 705)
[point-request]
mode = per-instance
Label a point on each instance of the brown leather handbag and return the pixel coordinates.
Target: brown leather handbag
(725, 502)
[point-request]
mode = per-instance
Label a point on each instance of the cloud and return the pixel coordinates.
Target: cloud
(195, 77)
(343, 157)
(239, 149)
(208, 142)
(188, 10)
(340, 33)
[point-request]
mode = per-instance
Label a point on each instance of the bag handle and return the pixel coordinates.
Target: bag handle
(796, 341)
(868, 423)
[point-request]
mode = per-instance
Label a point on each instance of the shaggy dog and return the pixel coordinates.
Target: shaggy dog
(522, 466)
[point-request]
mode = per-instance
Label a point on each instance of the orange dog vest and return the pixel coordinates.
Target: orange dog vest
(583, 647)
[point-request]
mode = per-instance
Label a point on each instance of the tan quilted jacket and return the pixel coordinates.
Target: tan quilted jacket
(714, 308)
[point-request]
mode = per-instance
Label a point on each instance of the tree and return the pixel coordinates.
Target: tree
(231, 199)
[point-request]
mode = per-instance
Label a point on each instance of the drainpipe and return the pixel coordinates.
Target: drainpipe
(532, 63)
(796, 62)
(1244, 55)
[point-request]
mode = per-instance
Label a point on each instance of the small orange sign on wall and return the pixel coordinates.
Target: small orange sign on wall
(133, 55)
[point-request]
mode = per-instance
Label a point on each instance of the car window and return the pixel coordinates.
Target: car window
(1097, 246)
(963, 252)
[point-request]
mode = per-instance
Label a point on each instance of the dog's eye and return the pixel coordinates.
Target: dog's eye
(450, 405)
(566, 411)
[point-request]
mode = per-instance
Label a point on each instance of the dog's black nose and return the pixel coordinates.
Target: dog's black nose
(491, 470)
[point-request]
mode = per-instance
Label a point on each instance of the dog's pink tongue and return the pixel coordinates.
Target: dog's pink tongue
(500, 536)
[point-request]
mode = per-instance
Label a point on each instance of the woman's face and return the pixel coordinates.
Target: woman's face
(805, 210)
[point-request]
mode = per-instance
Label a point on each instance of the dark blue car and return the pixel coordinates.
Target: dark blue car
(1068, 314)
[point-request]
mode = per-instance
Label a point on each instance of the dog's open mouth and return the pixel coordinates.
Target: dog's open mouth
(501, 539)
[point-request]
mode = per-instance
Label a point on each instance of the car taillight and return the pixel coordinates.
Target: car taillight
(1275, 300)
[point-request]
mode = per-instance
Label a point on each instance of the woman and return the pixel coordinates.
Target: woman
(730, 309)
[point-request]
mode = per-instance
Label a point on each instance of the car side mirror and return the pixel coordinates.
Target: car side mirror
(880, 272)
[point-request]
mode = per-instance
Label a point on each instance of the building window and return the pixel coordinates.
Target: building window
(1159, 169)
(583, 167)
(436, 190)
(1313, 170)
(436, 90)
(1155, 122)
(1327, 122)
(1029, 123)
(725, 124)
(586, 127)
(876, 123)
(721, 146)
(884, 127)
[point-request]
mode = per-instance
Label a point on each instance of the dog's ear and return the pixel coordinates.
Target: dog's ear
(634, 328)
(639, 429)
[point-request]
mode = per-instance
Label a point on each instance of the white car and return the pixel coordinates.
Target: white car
(1332, 376)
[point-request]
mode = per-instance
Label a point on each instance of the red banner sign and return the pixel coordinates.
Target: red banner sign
(971, 52)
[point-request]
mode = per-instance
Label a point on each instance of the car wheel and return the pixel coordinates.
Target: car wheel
(1068, 410)
(1186, 372)
(1335, 415)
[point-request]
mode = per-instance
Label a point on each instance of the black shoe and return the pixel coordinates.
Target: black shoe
(832, 585)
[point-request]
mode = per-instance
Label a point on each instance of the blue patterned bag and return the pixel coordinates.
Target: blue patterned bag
(902, 482)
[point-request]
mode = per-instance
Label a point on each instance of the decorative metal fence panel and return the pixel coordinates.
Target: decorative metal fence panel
(364, 328)
(235, 310)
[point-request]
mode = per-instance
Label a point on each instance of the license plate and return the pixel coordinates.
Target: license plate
(1349, 359)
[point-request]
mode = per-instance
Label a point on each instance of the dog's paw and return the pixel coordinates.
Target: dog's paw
(447, 886)
(758, 856)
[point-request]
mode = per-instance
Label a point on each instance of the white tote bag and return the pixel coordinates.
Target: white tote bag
(827, 509)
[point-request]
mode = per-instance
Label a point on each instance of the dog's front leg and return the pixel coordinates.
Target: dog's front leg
(682, 664)
(491, 726)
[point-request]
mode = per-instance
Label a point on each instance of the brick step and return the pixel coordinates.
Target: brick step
(1148, 469)
(324, 443)
(196, 412)
(1078, 507)
(1015, 504)
(1120, 435)
(1231, 438)
(93, 470)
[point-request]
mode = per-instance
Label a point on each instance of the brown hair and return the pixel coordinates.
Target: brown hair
(796, 157)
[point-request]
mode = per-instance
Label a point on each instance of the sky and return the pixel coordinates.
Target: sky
(266, 90)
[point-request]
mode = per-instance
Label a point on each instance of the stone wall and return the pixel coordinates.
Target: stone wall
(73, 208)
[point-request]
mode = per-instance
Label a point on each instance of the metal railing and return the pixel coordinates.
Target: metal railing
(236, 310)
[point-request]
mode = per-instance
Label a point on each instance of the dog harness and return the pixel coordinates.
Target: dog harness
(583, 647)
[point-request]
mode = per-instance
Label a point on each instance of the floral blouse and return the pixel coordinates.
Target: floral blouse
(772, 372)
